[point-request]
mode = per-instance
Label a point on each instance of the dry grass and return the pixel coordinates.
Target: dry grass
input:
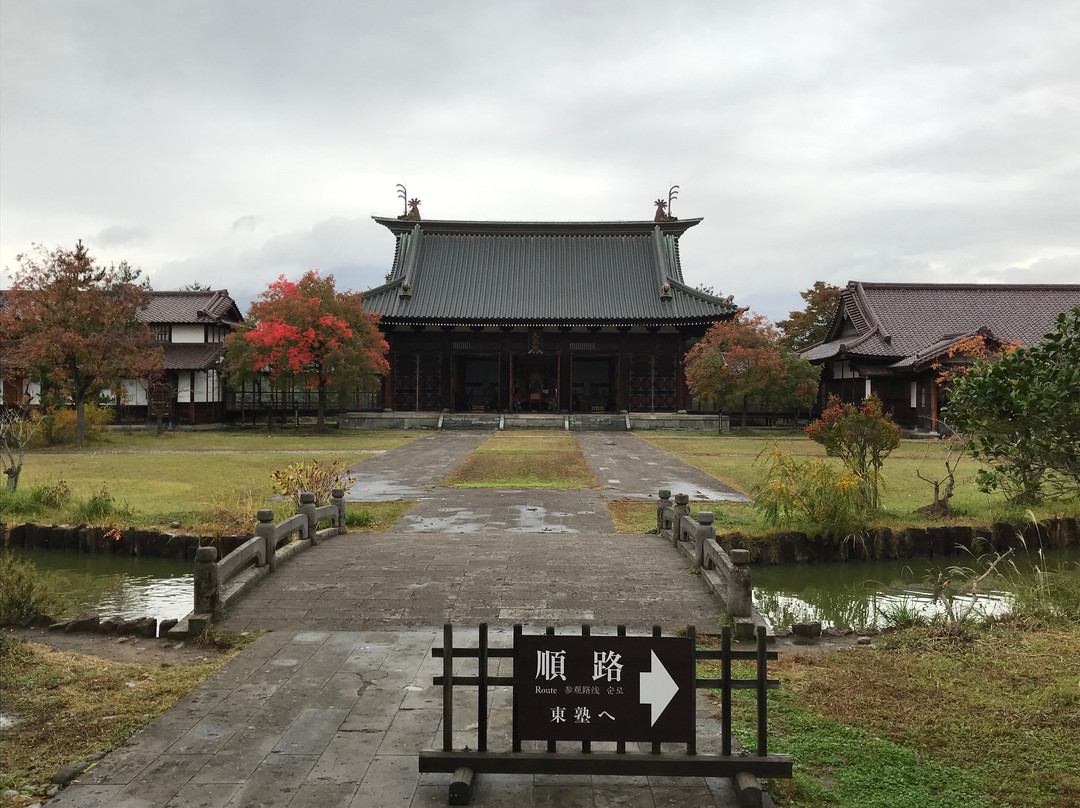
(1004, 705)
(70, 705)
(633, 516)
(524, 460)
(639, 516)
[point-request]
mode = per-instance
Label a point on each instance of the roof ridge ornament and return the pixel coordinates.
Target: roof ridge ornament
(663, 209)
(412, 206)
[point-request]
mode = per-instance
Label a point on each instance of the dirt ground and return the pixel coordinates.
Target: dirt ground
(118, 649)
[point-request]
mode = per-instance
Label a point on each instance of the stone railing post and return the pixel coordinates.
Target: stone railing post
(338, 501)
(702, 534)
(207, 581)
(682, 508)
(662, 504)
(268, 533)
(740, 593)
(307, 507)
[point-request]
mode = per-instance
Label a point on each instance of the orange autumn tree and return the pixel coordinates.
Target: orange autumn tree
(742, 359)
(309, 331)
(72, 325)
(966, 351)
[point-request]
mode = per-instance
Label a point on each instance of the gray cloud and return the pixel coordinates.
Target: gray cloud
(119, 235)
(915, 141)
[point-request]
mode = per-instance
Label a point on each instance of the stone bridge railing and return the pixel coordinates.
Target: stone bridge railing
(727, 575)
(218, 581)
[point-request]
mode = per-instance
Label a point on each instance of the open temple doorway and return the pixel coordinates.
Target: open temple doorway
(592, 382)
(477, 384)
(535, 383)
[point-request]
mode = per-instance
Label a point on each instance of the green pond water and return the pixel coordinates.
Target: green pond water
(854, 594)
(859, 594)
(119, 587)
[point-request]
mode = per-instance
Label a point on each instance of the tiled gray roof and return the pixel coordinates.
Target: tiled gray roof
(192, 356)
(191, 307)
(908, 323)
(539, 272)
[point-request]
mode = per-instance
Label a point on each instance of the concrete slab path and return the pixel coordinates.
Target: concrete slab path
(318, 719)
(400, 579)
(331, 707)
(628, 467)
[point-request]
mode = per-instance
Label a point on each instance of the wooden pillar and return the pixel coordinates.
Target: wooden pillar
(447, 375)
(933, 405)
(682, 393)
(388, 383)
(566, 361)
(622, 374)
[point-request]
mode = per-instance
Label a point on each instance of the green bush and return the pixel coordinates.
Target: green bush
(810, 493)
(860, 435)
(56, 425)
(25, 592)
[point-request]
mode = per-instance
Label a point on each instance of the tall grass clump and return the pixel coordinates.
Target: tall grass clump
(99, 508)
(234, 512)
(25, 592)
(1045, 596)
(360, 517)
(809, 492)
(36, 499)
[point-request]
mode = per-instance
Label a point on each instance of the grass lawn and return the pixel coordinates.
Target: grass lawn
(524, 460)
(923, 721)
(71, 706)
(734, 460)
(206, 483)
(251, 440)
(635, 516)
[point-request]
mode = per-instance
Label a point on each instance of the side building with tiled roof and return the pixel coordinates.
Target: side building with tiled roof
(191, 328)
(539, 316)
(889, 339)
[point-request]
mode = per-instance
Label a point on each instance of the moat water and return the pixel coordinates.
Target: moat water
(854, 594)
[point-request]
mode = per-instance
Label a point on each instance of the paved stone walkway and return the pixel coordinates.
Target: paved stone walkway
(628, 467)
(322, 719)
(401, 579)
(332, 705)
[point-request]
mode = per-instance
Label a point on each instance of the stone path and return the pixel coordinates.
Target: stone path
(400, 579)
(332, 705)
(323, 719)
(628, 467)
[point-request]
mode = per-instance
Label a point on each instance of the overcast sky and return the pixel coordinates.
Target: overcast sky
(230, 142)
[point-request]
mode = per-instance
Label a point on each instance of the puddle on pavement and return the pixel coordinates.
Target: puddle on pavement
(380, 489)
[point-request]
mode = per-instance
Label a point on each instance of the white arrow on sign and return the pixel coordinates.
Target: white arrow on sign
(657, 688)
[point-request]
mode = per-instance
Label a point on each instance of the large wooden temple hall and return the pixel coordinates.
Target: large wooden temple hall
(539, 316)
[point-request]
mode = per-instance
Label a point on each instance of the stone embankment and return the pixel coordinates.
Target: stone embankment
(911, 542)
(114, 541)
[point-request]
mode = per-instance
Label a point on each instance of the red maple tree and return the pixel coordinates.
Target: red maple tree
(308, 330)
(72, 325)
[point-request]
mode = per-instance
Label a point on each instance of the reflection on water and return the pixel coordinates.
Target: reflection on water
(858, 594)
(119, 587)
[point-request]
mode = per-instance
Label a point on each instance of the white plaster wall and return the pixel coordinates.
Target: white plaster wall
(188, 333)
